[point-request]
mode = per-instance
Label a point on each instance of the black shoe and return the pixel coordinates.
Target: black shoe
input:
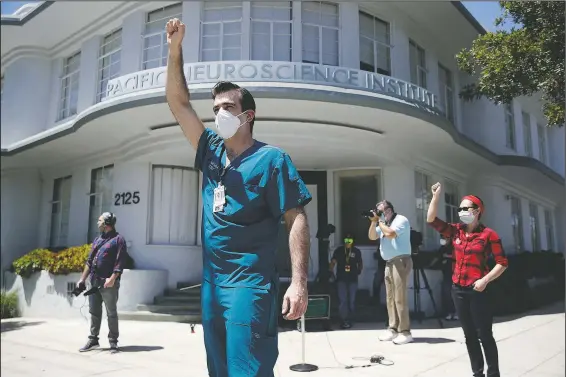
(114, 347)
(90, 345)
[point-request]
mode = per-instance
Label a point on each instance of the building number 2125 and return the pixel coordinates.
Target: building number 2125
(125, 198)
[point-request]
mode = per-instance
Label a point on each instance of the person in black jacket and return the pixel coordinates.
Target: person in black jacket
(348, 262)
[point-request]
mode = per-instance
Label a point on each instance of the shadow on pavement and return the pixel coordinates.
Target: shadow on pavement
(16, 325)
(432, 340)
(554, 308)
(137, 348)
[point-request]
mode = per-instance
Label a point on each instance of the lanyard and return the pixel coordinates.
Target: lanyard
(347, 254)
(225, 168)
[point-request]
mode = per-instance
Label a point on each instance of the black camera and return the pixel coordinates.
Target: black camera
(372, 212)
(79, 289)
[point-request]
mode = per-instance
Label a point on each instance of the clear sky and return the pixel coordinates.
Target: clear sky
(484, 11)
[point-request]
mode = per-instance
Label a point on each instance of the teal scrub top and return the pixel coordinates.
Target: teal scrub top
(240, 242)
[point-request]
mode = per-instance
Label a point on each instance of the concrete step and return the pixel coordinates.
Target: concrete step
(171, 308)
(185, 293)
(176, 299)
(160, 317)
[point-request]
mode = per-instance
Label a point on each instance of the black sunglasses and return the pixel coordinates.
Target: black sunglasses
(464, 209)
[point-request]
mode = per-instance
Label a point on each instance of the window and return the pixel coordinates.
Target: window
(451, 201)
(542, 143)
(509, 127)
(527, 137)
(271, 30)
(174, 206)
(155, 47)
(517, 223)
(100, 197)
(446, 91)
(60, 208)
(359, 190)
(221, 31)
(108, 61)
(375, 45)
(534, 225)
(320, 33)
(549, 228)
(417, 59)
(423, 197)
(70, 86)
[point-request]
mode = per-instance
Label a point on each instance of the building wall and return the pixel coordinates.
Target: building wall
(20, 198)
(30, 80)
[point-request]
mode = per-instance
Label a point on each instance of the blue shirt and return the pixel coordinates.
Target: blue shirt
(400, 245)
(239, 242)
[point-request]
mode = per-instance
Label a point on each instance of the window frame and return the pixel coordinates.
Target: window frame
(419, 69)
(510, 131)
(449, 112)
(429, 237)
(542, 144)
(453, 208)
(271, 35)
(534, 225)
(517, 226)
(163, 40)
(319, 28)
(527, 134)
(197, 200)
(221, 32)
(60, 202)
(65, 105)
(91, 194)
(376, 42)
(101, 87)
(549, 229)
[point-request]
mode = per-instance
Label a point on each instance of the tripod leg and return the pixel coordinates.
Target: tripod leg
(417, 294)
(427, 287)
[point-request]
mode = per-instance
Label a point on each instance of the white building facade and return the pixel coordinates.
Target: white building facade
(364, 97)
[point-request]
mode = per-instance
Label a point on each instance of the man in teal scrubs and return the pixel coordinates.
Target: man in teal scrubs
(247, 187)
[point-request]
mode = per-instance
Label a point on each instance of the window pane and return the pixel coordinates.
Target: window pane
(210, 55)
(231, 54)
(330, 42)
(261, 48)
(366, 25)
(282, 48)
(232, 28)
(282, 28)
(261, 28)
(232, 41)
(211, 29)
(383, 58)
(210, 43)
(173, 207)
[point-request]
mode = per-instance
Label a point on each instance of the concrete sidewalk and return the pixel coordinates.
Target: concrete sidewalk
(529, 346)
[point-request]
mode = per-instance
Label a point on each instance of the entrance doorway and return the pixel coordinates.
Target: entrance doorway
(317, 216)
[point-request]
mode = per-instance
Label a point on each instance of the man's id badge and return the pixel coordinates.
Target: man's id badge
(347, 268)
(219, 198)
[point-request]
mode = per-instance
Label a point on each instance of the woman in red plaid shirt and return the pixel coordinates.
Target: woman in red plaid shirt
(473, 243)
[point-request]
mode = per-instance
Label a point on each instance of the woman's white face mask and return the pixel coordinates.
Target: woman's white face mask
(442, 241)
(467, 217)
(227, 124)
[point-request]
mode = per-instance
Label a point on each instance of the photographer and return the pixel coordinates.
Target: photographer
(104, 267)
(348, 261)
(393, 230)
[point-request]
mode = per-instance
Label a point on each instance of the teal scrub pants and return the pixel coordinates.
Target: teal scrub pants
(240, 330)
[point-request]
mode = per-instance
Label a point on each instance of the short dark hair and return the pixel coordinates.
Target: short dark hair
(386, 204)
(246, 99)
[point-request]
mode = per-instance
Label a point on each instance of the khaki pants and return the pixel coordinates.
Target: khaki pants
(397, 272)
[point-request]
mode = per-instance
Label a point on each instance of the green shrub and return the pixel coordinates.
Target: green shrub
(8, 304)
(69, 260)
(35, 260)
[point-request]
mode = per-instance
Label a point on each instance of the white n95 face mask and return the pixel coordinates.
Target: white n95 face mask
(227, 124)
(466, 217)
(442, 241)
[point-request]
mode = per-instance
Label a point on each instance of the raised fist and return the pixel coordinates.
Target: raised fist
(436, 188)
(175, 32)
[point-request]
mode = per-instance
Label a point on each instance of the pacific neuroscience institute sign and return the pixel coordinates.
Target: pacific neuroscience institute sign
(261, 71)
